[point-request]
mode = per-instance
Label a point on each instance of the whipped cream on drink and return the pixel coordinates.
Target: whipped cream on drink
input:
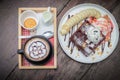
(37, 49)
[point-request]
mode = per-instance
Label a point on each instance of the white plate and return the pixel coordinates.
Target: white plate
(78, 56)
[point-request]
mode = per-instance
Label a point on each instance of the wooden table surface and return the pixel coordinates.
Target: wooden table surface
(67, 69)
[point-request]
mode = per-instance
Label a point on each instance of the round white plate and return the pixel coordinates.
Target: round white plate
(77, 55)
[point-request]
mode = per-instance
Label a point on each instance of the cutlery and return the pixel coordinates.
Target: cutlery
(47, 34)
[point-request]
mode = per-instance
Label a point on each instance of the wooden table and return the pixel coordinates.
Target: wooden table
(67, 69)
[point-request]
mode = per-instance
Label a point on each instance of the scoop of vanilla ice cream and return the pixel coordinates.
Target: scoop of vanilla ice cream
(93, 34)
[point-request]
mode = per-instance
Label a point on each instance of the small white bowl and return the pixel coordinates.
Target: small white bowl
(28, 14)
(47, 16)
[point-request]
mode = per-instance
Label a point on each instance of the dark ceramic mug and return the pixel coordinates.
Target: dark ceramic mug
(37, 50)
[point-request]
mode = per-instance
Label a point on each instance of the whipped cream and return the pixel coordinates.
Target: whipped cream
(102, 24)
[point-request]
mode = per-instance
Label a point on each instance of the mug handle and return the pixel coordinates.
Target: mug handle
(20, 51)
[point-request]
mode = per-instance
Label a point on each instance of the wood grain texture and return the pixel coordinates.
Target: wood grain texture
(68, 69)
(110, 68)
(108, 5)
(9, 32)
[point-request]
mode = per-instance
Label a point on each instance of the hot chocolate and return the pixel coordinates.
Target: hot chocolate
(37, 49)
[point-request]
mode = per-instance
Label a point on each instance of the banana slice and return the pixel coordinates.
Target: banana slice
(79, 17)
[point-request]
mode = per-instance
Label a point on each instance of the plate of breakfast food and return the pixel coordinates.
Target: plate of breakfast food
(88, 33)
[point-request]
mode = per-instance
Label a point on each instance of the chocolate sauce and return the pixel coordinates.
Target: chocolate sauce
(69, 35)
(102, 47)
(65, 37)
(77, 26)
(70, 42)
(109, 42)
(110, 37)
(72, 46)
(79, 38)
(66, 34)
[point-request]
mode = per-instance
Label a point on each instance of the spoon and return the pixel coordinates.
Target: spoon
(47, 34)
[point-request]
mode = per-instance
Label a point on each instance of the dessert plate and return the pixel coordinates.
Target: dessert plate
(78, 55)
